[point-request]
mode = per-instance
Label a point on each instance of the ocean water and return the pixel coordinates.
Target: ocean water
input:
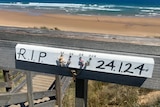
(139, 8)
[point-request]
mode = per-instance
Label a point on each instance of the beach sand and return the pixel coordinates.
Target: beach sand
(129, 26)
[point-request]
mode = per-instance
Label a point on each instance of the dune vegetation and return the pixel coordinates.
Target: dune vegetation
(102, 94)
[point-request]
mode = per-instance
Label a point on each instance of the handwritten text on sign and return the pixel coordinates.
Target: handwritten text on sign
(101, 62)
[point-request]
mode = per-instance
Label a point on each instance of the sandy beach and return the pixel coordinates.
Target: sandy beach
(129, 26)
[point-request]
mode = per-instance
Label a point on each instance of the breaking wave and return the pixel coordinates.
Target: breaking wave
(89, 9)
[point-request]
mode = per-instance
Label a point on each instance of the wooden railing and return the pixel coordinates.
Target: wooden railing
(17, 98)
(13, 81)
(16, 80)
(108, 44)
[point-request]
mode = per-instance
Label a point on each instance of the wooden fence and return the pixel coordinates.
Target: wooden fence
(18, 98)
(13, 81)
(16, 80)
(111, 44)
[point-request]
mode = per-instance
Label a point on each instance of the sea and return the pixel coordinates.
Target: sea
(136, 8)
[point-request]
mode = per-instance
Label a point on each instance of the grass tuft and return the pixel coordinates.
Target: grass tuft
(44, 28)
(56, 29)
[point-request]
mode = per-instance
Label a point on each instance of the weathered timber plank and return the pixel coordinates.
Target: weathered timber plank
(18, 77)
(7, 99)
(15, 98)
(138, 46)
(17, 88)
(12, 73)
(63, 78)
(7, 59)
(81, 40)
(46, 104)
(41, 94)
(58, 91)
(30, 89)
(5, 84)
(65, 83)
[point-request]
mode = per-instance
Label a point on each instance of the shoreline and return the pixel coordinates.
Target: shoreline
(115, 25)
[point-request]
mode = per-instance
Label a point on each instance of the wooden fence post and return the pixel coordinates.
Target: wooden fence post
(81, 93)
(58, 91)
(30, 89)
(7, 79)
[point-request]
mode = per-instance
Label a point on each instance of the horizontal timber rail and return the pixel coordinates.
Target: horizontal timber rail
(111, 44)
(16, 98)
(41, 98)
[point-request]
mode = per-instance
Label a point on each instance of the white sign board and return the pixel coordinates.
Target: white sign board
(93, 61)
